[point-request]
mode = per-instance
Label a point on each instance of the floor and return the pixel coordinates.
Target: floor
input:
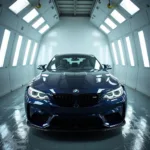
(16, 135)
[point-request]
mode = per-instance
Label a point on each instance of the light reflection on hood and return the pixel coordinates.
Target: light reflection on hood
(110, 82)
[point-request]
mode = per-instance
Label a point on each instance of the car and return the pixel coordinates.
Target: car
(75, 92)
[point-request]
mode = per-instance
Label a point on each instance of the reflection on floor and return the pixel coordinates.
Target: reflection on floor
(16, 135)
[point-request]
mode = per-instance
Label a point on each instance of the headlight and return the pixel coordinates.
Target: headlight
(37, 94)
(114, 94)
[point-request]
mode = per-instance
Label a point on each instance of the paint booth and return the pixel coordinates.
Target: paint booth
(116, 32)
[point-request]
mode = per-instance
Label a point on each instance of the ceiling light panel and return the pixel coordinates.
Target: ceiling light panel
(33, 53)
(18, 6)
(121, 52)
(4, 45)
(44, 29)
(18, 47)
(31, 15)
(38, 23)
(106, 30)
(110, 23)
(129, 6)
(144, 49)
(129, 47)
(115, 53)
(117, 16)
(27, 52)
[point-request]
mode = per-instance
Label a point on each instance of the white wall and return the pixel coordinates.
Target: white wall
(11, 77)
(137, 77)
(74, 35)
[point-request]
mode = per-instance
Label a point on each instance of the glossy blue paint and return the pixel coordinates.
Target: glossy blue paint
(110, 113)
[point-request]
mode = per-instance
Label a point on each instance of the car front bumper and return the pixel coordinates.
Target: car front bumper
(106, 115)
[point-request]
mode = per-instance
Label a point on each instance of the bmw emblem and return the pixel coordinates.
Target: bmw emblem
(76, 105)
(75, 91)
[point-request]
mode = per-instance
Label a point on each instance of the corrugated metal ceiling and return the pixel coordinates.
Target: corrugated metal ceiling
(75, 7)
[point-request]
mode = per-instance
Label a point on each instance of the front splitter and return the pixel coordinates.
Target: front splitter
(112, 127)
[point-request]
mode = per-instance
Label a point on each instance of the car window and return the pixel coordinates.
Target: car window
(74, 62)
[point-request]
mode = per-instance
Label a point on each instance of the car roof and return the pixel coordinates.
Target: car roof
(79, 54)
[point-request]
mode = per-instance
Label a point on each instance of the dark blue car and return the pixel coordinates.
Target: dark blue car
(75, 92)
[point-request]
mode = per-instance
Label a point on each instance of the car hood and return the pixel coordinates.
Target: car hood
(74, 80)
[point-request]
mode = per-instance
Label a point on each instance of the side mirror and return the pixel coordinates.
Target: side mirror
(42, 67)
(107, 67)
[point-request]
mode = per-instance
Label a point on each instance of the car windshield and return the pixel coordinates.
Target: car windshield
(74, 62)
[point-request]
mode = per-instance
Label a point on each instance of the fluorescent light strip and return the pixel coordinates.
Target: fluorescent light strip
(121, 52)
(18, 6)
(33, 54)
(31, 15)
(129, 6)
(144, 49)
(130, 51)
(115, 53)
(106, 30)
(19, 42)
(44, 29)
(110, 23)
(38, 23)
(117, 16)
(4, 46)
(27, 52)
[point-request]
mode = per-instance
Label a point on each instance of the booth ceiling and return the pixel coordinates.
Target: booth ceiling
(43, 14)
(75, 7)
